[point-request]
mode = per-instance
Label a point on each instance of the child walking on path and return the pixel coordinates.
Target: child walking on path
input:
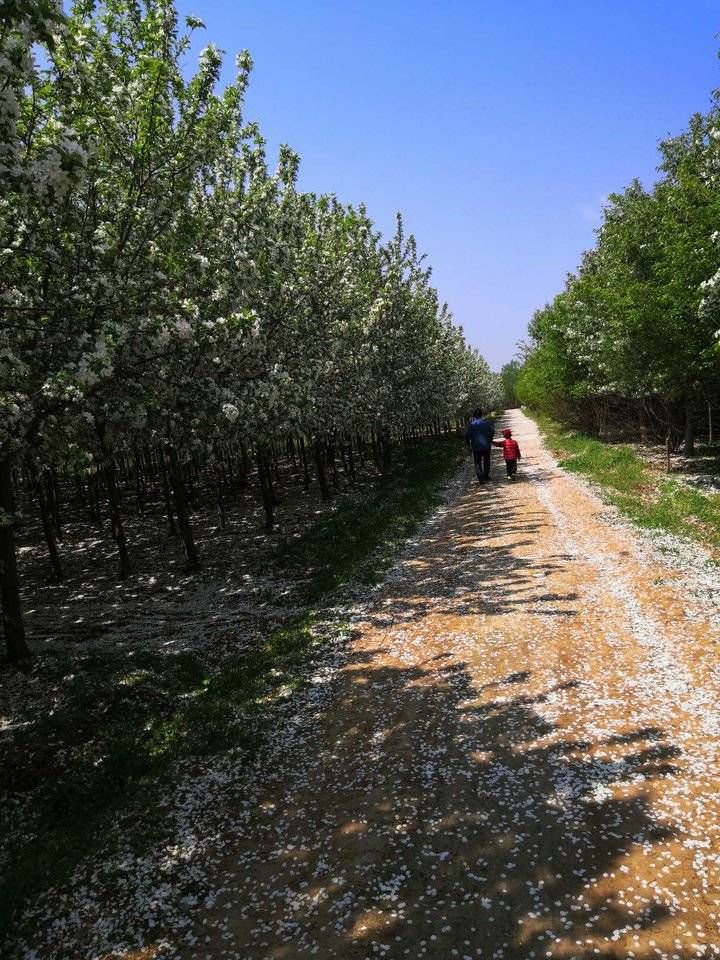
(511, 452)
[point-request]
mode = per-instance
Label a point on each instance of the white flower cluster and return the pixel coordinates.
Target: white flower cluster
(162, 279)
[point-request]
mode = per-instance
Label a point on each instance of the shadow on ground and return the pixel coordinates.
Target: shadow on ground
(444, 816)
(431, 813)
(492, 565)
(425, 809)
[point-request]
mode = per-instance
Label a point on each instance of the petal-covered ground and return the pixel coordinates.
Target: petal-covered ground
(516, 756)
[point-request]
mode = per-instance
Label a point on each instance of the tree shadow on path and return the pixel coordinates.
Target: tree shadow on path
(435, 817)
(489, 562)
(442, 803)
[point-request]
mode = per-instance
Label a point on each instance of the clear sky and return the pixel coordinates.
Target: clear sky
(498, 128)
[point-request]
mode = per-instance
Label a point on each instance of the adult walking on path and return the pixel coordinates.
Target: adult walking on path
(479, 435)
(516, 756)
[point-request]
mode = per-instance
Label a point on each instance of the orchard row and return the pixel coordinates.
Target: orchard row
(169, 300)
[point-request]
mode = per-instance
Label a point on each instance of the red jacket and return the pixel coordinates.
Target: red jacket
(510, 448)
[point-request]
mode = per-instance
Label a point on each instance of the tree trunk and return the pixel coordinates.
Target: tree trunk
(333, 464)
(181, 509)
(47, 525)
(265, 490)
(54, 491)
(291, 454)
(94, 511)
(116, 524)
(386, 453)
(306, 472)
(351, 460)
(275, 464)
(710, 424)
(166, 494)
(689, 437)
(374, 448)
(320, 468)
(246, 465)
(15, 645)
(221, 493)
(140, 488)
(150, 471)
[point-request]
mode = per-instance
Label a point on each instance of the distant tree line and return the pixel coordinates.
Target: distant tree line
(631, 343)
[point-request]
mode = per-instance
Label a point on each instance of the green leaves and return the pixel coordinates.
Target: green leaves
(638, 319)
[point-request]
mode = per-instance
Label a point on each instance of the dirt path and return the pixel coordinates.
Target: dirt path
(519, 757)
(516, 757)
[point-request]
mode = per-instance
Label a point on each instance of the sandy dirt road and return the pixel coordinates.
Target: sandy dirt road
(515, 756)
(518, 757)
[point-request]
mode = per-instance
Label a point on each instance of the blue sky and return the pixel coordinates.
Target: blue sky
(497, 128)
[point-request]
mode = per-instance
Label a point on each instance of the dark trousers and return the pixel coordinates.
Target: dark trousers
(511, 467)
(482, 464)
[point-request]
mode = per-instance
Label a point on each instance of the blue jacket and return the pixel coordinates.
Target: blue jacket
(480, 434)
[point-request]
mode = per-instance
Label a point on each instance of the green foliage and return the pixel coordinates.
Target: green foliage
(509, 375)
(677, 509)
(544, 382)
(616, 468)
(357, 540)
(638, 320)
(639, 492)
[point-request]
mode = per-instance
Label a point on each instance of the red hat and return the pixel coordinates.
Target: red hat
(507, 432)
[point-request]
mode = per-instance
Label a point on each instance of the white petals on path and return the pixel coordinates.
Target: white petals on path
(515, 756)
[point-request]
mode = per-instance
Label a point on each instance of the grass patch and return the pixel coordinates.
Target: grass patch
(119, 724)
(119, 721)
(643, 494)
(357, 541)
